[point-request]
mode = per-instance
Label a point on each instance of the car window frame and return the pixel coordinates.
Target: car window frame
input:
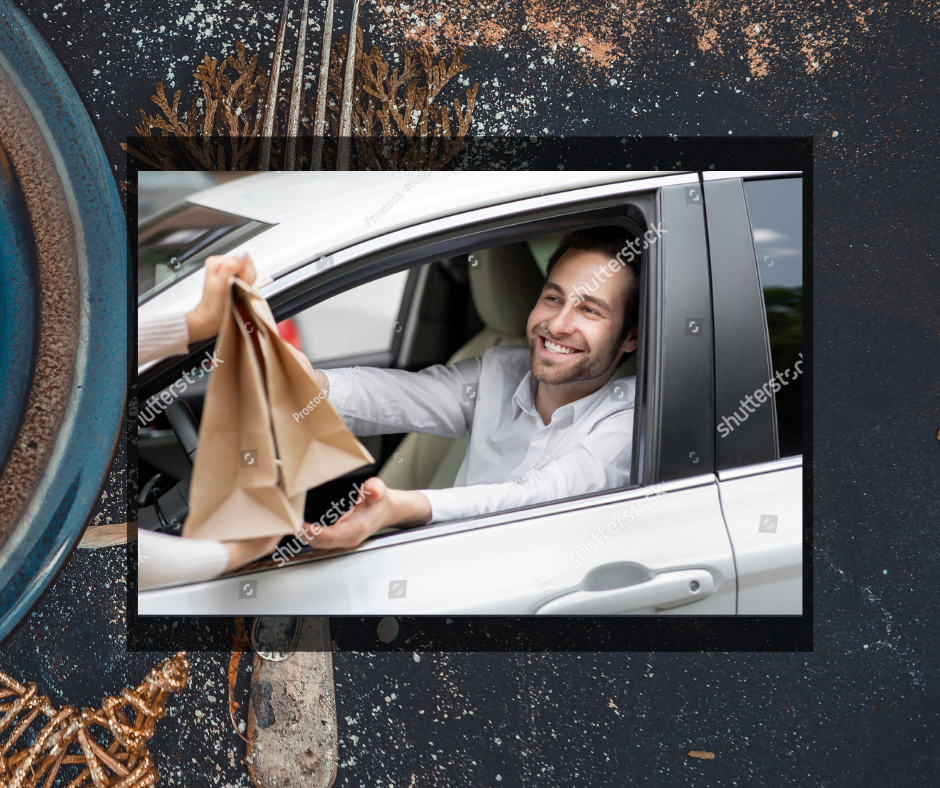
(766, 326)
(682, 373)
(212, 244)
(742, 350)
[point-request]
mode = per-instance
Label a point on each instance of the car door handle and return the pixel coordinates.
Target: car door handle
(667, 589)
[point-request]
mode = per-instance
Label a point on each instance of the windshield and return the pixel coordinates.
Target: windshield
(173, 245)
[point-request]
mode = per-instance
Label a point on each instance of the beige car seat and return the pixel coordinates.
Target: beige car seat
(505, 283)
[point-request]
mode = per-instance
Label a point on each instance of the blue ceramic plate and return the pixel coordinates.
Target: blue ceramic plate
(63, 316)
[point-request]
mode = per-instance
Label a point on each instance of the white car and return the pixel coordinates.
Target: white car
(405, 270)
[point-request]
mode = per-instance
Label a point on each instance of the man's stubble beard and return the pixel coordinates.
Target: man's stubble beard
(591, 366)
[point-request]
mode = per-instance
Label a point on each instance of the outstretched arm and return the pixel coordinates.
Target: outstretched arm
(171, 335)
(600, 461)
(597, 461)
(380, 401)
(378, 506)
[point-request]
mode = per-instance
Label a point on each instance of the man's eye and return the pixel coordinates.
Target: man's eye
(551, 298)
(588, 309)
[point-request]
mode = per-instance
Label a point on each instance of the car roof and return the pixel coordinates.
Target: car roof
(318, 213)
(402, 198)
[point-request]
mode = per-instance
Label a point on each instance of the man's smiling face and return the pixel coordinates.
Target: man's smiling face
(578, 339)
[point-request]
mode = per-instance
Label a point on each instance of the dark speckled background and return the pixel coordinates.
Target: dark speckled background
(862, 709)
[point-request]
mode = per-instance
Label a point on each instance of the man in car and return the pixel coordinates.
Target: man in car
(545, 422)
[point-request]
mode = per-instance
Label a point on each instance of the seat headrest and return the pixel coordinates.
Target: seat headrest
(505, 284)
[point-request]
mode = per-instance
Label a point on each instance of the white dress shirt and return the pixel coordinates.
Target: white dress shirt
(513, 459)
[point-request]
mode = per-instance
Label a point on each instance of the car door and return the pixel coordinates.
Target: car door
(658, 546)
(755, 238)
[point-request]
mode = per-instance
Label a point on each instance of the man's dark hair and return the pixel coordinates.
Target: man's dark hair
(609, 240)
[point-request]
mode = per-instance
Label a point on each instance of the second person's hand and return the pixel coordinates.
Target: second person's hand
(206, 319)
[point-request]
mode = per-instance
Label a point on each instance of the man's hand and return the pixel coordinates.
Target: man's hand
(206, 319)
(378, 506)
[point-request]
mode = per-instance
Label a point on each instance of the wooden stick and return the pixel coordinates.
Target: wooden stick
(296, 92)
(96, 536)
(319, 126)
(345, 122)
(270, 104)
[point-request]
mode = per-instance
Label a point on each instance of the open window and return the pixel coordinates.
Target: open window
(408, 311)
(451, 308)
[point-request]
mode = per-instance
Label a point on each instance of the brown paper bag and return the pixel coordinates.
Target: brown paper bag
(256, 461)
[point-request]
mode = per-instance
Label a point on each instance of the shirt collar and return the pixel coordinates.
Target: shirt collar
(523, 399)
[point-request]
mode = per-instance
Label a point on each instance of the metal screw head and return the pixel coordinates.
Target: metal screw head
(693, 586)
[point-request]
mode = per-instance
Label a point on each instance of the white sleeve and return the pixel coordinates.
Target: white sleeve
(598, 461)
(163, 559)
(438, 400)
(166, 335)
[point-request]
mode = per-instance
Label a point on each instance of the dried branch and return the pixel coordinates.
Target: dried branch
(396, 123)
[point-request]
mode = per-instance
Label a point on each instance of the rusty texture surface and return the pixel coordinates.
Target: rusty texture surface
(59, 309)
(292, 717)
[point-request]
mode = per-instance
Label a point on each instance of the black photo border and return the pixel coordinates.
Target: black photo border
(531, 633)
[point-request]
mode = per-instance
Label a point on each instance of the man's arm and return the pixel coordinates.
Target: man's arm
(378, 506)
(379, 401)
(600, 461)
(319, 377)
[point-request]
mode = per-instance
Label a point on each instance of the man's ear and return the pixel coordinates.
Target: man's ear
(632, 340)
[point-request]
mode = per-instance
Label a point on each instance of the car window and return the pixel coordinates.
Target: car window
(358, 322)
(158, 190)
(542, 249)
(775, 208)
(173, 246)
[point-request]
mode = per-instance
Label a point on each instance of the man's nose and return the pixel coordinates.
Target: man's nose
(562, 322)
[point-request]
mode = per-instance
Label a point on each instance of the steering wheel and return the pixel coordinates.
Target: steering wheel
(185, 427)
(163, 504)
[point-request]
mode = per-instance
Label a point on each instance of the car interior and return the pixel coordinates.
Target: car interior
(451, 309)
